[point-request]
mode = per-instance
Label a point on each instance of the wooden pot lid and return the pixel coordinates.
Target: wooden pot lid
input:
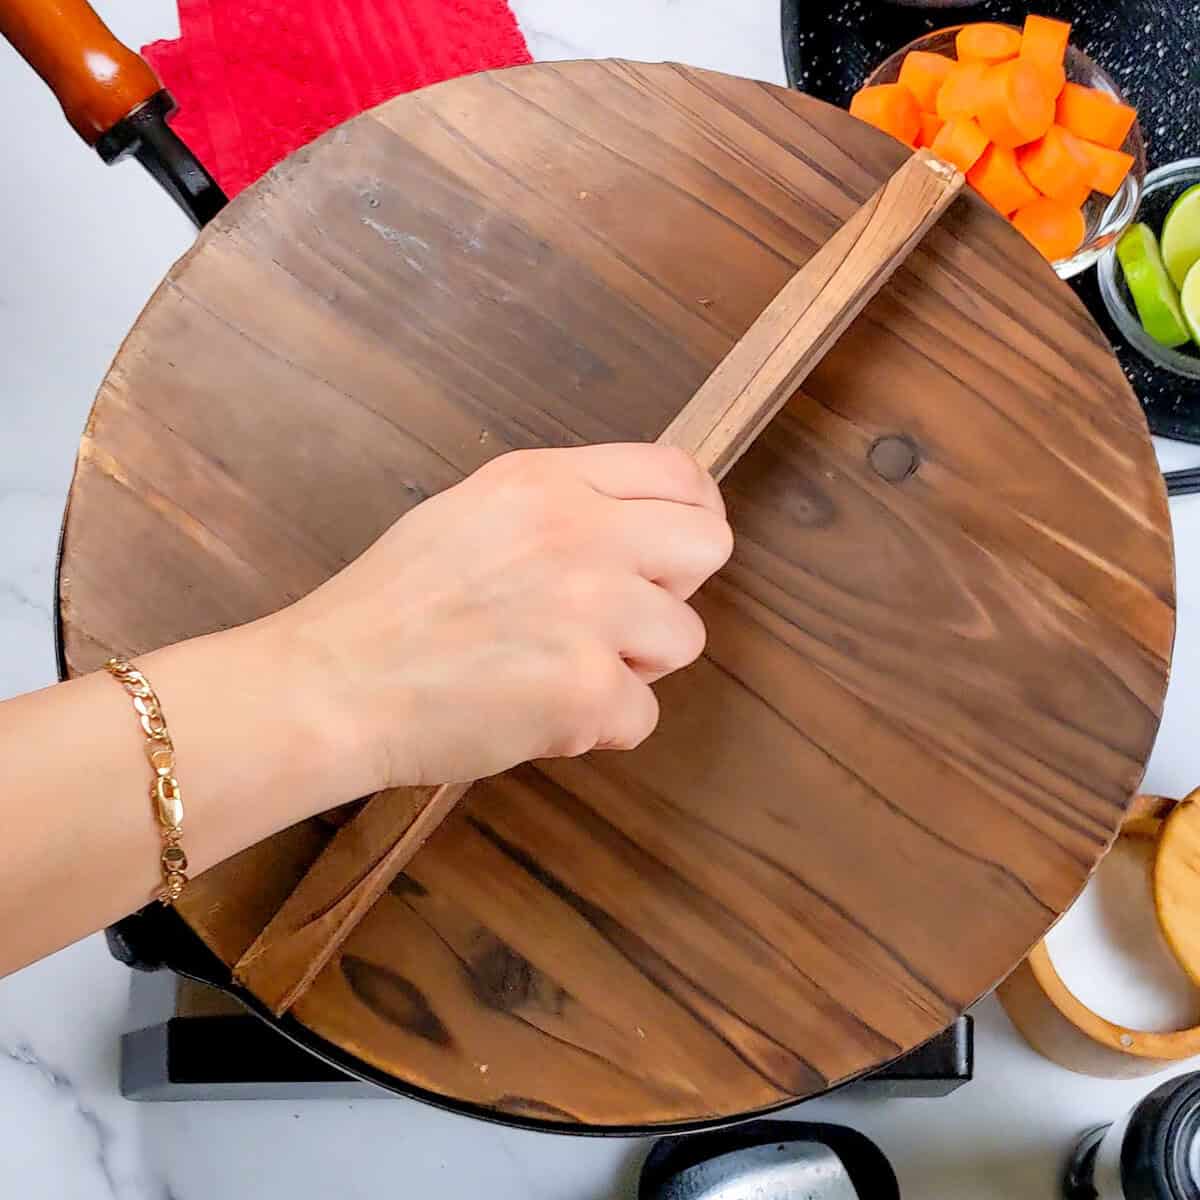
(936, 662)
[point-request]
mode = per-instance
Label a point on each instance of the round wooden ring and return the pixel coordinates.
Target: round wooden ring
(1057, 1024)
(1177, 885)
(1146, 816)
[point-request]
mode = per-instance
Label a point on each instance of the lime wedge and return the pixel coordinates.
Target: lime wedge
(1189, 301)
(1153, 293)
(1181, 235)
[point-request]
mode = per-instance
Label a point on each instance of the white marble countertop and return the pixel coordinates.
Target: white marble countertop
(82, 246)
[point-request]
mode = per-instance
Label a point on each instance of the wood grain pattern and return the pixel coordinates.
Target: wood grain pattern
(812, 310)
(338, 890)
(924, 705)
(716, 426)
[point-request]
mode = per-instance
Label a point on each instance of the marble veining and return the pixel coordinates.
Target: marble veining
(72, 1149)
(64, 1092)
(549, 47)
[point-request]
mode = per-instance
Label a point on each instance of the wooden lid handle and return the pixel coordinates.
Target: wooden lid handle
(717, 426)
(97, 80)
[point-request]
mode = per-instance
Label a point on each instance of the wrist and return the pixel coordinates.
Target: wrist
(256, 748)
(322, 707)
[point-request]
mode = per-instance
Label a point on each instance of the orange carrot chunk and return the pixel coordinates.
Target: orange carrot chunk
(959, 95)
(923, 74)
(1077, 196)
(1094, 115)
(889, 107)
(930, 124)
(1053, 76)
(1055, 228)
(987, 42)
(998, 179)
(960, 141)
(1044, 39)
(1109, 167)
(1057, 165)
(1044, 43)
(1014, 106)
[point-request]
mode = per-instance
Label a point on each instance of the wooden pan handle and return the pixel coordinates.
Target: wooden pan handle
(97, 80)
(717, 425)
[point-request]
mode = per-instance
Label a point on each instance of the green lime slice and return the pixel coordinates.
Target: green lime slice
(1181, 235)
(1189, 301)
(1153, 293)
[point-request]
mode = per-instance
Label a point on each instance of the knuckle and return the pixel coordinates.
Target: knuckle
(576, 688)
(543, 507)
(649, 720)
(526, 486)
(693, 636)
(516, 464)
(711, 543)
(590, 684)
(722, 542)
(575, 743)
(681, 468)
(640, 725)
(522, 474)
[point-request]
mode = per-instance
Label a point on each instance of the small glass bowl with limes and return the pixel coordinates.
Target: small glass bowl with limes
(1150, 278)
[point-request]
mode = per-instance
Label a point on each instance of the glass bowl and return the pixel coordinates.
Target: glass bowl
(1162, 185)
(1106, 217)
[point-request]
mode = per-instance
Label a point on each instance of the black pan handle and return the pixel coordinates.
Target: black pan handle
(1182, 483)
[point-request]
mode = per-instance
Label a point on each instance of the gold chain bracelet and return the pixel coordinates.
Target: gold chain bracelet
(164, 791)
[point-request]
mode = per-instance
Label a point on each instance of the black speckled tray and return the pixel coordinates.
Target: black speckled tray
(1151, 48)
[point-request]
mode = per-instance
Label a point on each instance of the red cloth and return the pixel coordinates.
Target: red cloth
(256, 79)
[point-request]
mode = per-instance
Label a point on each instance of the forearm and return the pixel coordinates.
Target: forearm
(521, 615)
(81, 844)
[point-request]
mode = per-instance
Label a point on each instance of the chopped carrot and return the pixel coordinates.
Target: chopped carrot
(1014, 106)
(889, 107)
(930, 124)
(1044, 39)
(1094, 115)
(1054, 76)
(998, 179)
(1077, 196)
(923, 74)
(960, 141)
(1055, 228)
(1044, 43)
(1109, 167)
(1057, 165)
(987, 42)
(959, 94)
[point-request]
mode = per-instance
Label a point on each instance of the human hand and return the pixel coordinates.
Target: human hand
(522, 614)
